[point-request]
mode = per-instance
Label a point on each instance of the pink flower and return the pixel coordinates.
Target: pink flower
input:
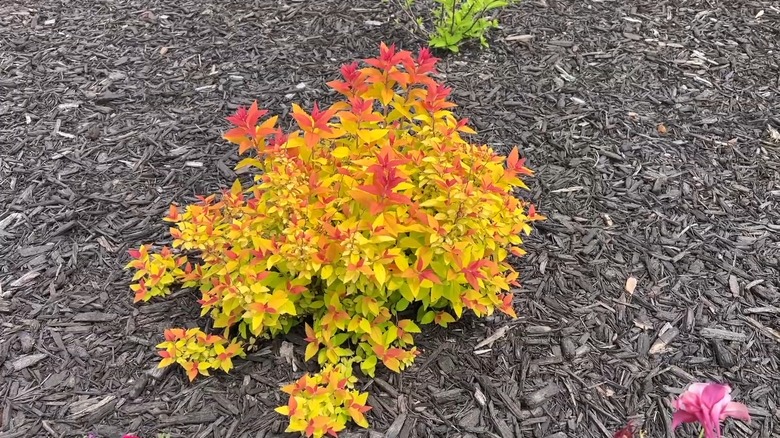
(707, 404)
(129, 436)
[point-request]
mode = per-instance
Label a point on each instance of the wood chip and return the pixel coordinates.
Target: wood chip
(665, 337)
(25, 279)
(522, 38)
(714, 333)
(723, 355)
(27, 361)
(774, 134)
(630, 285)
(85, 407)
(95, 317)
(287, 353)
(395, 429)
(734, 286)
(198, 417)
(542, 395)
(498, 334)
(767, 331)
(30, 251)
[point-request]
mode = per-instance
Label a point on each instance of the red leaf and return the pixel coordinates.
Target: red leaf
(374, 190)
(239, 118)
(253, 115)
(428, 274)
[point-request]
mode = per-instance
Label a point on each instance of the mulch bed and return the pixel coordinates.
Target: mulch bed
(647, 123)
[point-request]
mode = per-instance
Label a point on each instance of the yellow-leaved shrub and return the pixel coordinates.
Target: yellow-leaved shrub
(374, 215)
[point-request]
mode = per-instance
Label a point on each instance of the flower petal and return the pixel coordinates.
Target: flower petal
(688, 401)
(681, 417)
(735, 410)
(696, 388)
(714, 393)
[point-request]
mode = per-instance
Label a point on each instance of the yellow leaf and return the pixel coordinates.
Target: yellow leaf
(331, 355)
(392, 364)
(409, 326)
(326, 272)
(364, 325)
(373, 306)
(284, 410)
(341, 152)
(386, 95)
(457, 307)
(311, 350)
(354, 323)
(350, 126)
(246, 162)
(236, 188)
(358, 417)
(380, 273)
(257, 321)
(380, 238)
(435, 293)
(372, 135)
(436, 202)
(376, 336)
(408, 242)
(273, 260)
(391, 335)
(288, 308)
(403, 111)
(467, 130)
(401, 261)
(262, 244)
(414, 287)
(297, 425)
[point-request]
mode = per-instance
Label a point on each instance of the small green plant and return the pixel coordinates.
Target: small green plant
(457, 21)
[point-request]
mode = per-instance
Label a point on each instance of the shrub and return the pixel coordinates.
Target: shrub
(458, 21)
(372, 216)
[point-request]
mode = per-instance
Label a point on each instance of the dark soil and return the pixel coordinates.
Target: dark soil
(648, 123)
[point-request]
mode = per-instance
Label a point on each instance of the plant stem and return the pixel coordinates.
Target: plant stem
(474, 21)
(452, 23)
(410, 14)
(701, 434)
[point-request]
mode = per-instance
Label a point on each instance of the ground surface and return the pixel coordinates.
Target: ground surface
(645, 120)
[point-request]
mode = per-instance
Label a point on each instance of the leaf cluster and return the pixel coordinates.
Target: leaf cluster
(323, 403)
(197, 352)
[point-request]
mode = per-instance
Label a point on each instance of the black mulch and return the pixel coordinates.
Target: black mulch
(649, 124)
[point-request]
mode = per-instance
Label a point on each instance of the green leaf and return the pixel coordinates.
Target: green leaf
(340, 338)
(438, 42)
(401, 305)
(368, 366)
(427, 317)
(411, 327)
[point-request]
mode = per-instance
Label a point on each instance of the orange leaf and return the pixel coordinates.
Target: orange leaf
(513, 158)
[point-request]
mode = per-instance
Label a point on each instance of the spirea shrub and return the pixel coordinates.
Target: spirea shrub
(371, 217)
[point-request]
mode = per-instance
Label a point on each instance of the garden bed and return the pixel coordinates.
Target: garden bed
(646, 122)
